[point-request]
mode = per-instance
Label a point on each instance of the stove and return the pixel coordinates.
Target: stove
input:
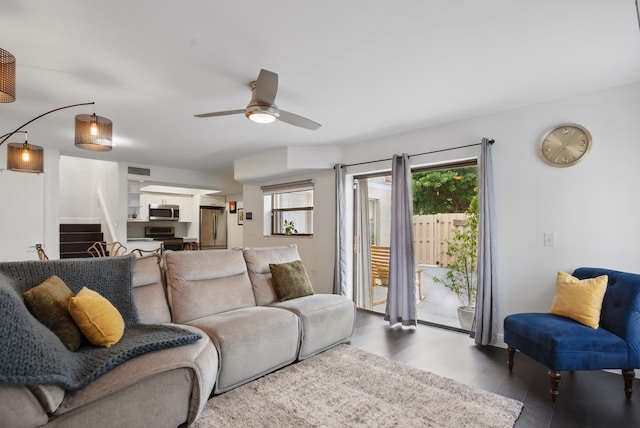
(165, 234)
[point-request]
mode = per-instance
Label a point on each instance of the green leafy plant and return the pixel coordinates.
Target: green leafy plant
(290, 228)
(444, 191)
(461, 278)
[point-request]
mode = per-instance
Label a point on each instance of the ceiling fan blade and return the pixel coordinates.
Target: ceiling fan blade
(219, 113)
(266, 87)
(294, 119)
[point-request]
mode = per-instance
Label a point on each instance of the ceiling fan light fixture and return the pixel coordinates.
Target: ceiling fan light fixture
(93, 132)
(262, 114)
(261, 118)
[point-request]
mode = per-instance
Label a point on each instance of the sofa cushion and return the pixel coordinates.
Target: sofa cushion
(258, 260)
(290, 280)
(49, 302)
(207, 282)
(327, 320)
(49, 395)
(149, 291)
(251, 342)
(580, 300)
(97, 318)
(20, 408)
(564, 344)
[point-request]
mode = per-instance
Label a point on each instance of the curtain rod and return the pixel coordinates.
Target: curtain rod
(417, 154)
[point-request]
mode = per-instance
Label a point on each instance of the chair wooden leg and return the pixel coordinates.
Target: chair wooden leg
(419, 285)
(373, 292)
(628, 376)
(510, 353)
(554, 379)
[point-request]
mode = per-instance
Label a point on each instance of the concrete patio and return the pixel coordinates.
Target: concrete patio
(440, 305)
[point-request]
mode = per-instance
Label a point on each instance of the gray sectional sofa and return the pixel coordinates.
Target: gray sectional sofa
(225, 295)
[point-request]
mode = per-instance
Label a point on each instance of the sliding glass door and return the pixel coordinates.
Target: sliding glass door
(443, 202)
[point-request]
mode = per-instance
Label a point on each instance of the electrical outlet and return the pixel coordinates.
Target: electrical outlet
(549, 239)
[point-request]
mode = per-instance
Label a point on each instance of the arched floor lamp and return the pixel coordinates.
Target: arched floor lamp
(91, 133)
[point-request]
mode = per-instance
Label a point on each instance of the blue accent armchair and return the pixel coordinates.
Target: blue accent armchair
(562, 344)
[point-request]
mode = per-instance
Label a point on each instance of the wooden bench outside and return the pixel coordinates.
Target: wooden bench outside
(380, 272)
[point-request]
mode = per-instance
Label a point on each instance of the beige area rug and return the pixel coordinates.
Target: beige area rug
(348, 387)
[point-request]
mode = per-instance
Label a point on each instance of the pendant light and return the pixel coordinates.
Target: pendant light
(7, 77)
(93, 132)
(25, 157)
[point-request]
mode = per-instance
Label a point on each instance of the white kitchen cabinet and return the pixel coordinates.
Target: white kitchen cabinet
(155, 199)
(187, 210)
(145, 200)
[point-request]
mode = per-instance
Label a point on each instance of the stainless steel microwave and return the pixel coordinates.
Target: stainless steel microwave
(164, 212)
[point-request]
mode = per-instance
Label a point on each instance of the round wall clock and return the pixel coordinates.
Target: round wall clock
(565, 145)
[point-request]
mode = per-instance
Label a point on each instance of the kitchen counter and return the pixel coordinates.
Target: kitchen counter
(146, 244)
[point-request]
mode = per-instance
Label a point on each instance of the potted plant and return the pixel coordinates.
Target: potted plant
(290, 228)
(461, 277)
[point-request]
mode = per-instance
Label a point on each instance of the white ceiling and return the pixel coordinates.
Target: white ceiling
(363, 69)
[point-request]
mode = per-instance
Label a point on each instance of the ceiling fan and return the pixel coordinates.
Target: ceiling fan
(261, 108)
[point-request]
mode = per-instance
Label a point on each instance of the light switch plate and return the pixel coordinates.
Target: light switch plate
(549, 239)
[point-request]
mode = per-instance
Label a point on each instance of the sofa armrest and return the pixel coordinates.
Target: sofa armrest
(201, 357)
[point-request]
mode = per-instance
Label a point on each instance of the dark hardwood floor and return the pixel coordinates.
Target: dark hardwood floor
(588, 399)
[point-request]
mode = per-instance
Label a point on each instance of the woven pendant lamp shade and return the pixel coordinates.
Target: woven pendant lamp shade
(7, 77)
(25, 158)
(99, 138)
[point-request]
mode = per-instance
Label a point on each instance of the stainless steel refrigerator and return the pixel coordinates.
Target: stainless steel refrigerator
(213, 227)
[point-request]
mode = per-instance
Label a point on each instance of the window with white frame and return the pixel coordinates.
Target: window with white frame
(288, 208)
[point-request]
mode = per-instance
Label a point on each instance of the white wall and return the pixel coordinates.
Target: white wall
(27, 201)
(23, 226)
(591, 206)
(79, 180)
(285, 161)
(235, 232)
(317, 251)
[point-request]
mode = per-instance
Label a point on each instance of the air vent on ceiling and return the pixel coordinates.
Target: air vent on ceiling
(139, 171)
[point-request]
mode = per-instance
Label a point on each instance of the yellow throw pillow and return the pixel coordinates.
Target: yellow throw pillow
(580, 300)
(97, 318)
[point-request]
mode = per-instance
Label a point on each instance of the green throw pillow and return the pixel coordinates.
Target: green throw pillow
(290, 280)
(48, 302)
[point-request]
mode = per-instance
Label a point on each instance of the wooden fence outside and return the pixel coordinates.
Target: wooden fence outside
(430, 235)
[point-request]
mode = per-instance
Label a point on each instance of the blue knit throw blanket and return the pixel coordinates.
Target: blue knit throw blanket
(30, 353)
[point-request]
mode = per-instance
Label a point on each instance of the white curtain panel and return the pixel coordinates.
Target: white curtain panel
(364, 289)
(340, 265)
